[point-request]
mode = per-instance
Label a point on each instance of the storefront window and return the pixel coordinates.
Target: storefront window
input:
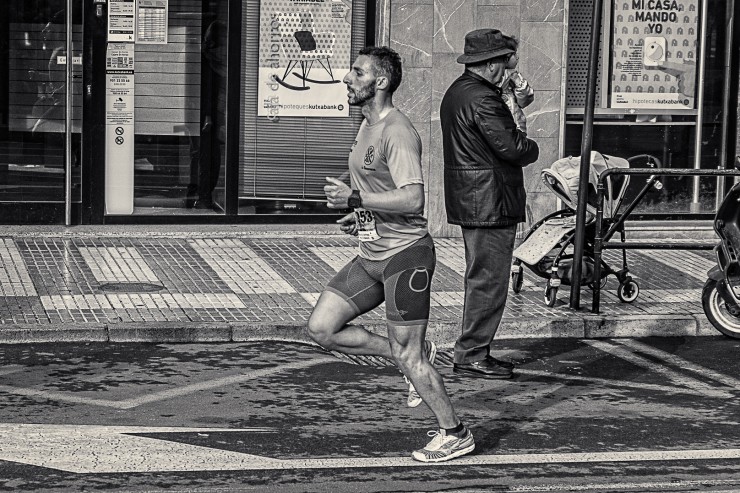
(648, 95)
(33, 44)
(180, 126)
(297, 128)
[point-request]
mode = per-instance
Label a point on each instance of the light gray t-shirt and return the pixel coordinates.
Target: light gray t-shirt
(385, 156)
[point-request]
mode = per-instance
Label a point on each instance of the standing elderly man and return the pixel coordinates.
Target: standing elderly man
(396, 258)
(484, 153)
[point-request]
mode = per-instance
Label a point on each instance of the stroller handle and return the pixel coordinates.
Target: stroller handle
(658, 163)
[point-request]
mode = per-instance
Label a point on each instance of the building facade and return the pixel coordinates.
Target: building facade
(227, 111)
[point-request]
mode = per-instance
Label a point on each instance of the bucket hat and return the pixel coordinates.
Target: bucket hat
(483, 44)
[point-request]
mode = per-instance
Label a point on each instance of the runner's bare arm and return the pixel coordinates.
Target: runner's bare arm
(405, 200)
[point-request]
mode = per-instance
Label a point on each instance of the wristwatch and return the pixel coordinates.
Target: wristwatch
(354, 200)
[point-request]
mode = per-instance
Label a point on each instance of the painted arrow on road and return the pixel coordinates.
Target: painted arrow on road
(114, 449)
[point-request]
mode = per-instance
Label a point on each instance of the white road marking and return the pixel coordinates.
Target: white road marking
(681, 363)
(335, 257)
(150, 301)
(614, 383)
(100, 449)
(676, 378)
(117, 264)
(673, 485)
(242, 270)
(14, 277)
(10, 369)
(165, 394)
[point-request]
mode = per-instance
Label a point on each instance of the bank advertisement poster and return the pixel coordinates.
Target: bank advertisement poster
(655, 46)
(304, 52)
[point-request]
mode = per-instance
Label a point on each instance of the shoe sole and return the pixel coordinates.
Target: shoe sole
(432, 357)
(483, 375)
(464, 451)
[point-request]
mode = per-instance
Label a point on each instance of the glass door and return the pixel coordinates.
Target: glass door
(180, 107)
(39, 139)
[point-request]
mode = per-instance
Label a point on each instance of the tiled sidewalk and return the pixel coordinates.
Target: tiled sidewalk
(145, 279)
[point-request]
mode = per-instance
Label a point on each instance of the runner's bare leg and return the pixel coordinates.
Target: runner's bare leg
(327, 325)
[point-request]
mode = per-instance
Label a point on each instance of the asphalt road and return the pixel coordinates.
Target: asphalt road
(581, 415)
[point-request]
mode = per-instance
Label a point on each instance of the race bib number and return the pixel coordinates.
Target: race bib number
(366, 225)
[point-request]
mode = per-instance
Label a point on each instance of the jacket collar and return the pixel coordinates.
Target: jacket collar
(483, 81)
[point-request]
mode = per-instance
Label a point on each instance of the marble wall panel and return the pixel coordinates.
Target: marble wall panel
(548, 155)
(543, 10)
(424, 130)
(452, 19)
(436, 214)
(428, 72)
(543, 114)
(541, 54)
(446, 70)
(539, 204)
(414, 95)
(505, 18)
(411, 35)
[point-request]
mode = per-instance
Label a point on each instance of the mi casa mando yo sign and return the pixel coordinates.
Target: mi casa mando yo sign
(656, 11)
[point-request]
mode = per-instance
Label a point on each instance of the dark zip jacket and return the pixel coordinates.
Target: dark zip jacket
(483, 154)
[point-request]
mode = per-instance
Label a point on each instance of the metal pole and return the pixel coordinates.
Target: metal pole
(586, 142)
(597, 247)
(695, 205)
(725, 101)
(69, 92)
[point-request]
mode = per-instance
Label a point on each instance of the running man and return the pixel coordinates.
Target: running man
(396, 257)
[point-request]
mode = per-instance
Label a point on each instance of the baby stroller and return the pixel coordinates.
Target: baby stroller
(547, 247)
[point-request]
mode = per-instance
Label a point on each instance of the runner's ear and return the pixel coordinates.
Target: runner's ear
(381, 82)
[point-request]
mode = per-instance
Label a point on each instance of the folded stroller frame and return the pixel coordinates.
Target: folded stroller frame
(547, 247)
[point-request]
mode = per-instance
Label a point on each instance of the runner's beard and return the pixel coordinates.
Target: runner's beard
(361, 96)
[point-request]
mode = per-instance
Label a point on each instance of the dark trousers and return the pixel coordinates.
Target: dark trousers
(488, 254)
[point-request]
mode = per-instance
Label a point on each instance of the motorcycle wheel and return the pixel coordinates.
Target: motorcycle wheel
(716, 311)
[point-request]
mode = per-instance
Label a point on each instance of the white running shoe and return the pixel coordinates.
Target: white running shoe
(445, 447)
(414, 399)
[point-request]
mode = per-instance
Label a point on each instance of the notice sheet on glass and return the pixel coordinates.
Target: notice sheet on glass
(151, 21)
(121, 20)
(304, 53)
(654, 54)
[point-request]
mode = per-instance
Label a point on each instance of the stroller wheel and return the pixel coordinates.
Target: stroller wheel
(551, 295)
(517, 278)
(628, 291)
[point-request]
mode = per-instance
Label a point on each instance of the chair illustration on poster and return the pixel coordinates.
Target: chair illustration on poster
(302, 46)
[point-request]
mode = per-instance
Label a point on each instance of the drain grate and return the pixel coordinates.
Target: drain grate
(131, 287)
(444, 358)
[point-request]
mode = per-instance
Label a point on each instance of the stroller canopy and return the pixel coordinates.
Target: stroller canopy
(563, 176)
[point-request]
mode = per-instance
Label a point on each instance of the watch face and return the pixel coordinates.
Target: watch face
(354, 199)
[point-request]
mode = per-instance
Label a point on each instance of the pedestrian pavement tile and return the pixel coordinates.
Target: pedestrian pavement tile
(60, 280)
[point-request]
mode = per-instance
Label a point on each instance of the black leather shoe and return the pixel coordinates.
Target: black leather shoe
(486, 368)
(505, 364)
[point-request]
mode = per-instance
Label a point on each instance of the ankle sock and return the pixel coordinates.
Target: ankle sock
(458, 430)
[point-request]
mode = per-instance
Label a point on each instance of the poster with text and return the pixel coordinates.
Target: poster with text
(305, 49)
(654, 54)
